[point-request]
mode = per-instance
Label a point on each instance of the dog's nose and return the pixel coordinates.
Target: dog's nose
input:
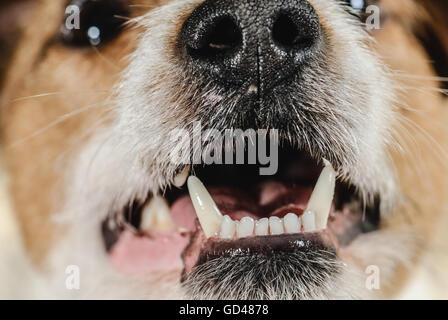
(253, 43)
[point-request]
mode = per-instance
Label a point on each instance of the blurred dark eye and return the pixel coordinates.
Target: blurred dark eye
(93, 22)
(358, 5)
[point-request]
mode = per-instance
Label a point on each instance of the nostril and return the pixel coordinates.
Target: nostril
(287, 34)
(225, 35)
(219, 37)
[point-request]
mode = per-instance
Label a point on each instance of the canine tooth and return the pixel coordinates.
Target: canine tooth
(309, 221)
(156, 215)
(181, 178)
(322, 196)
(262, 227)
(292, 223)
(275, 225)
(208, 213)
(228, 227)
(245, 227)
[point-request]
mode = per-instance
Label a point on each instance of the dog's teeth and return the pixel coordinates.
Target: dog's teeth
(245, 227)
(292, 223)
(181, 178)
(228, 227)
(262, 227)
(156, 216)
(208, 213)
(275, 225)
(309, 221)
(322, 196)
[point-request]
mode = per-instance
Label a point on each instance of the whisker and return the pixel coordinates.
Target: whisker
(106, 59)
(56, 93)
(420, 113)
(419, 77)
(122, 17)
(442, 153)
(55, 123)
(422, 89)
(106, 115)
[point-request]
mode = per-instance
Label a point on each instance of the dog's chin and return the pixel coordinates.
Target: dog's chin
(162, 233)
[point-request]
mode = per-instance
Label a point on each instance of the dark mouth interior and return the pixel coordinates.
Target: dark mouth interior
(296, 171)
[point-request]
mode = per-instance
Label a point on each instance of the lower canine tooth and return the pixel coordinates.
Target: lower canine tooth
(292, 223)
(309, 221)
(228, 227)
(245, 227)
(262, 227)
(275, 225)
(181, 178)
(208, 213)
(156, 216)
(322, 196)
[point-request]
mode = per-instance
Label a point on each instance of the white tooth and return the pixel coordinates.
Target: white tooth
(262, 227)
(181, 178)
(228, 227)
(275, 225)
(309, 221)
(292, 223)
(208, 213)
(322, 196)
(245, 227)
(156, 216)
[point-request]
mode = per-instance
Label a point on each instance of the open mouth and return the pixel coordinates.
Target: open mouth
(221, 211)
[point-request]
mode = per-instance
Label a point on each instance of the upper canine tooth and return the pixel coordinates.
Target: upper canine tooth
(181, 178)
(292, 223)
(208, 213)
(245, 227)
(228, 227)
(156, 215)
(275, 225)
(322, 196)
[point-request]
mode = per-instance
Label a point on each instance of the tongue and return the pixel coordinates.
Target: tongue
(264, 200)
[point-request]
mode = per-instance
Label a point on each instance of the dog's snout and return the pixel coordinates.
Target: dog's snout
(254, 43)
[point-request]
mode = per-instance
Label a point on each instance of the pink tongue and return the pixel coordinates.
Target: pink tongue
(162, 252)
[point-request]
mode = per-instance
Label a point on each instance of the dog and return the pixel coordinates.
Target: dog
(93, 91)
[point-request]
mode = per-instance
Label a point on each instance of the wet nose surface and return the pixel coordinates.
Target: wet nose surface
(257, 43)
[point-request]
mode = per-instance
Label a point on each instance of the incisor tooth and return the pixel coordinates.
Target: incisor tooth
(262, 227)
(156, 216)
(208, 213)
(275, 225)
(245, 227)
(292, 223)
(228, 227)
(309, 221)
(180, 179)
(322, 196)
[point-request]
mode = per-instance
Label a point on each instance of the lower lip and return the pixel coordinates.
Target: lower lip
(179, 253)
(201, 250)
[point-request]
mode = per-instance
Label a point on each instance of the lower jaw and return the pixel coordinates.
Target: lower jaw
(181, 252)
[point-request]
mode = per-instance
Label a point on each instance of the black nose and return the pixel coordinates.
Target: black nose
(253, 44)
